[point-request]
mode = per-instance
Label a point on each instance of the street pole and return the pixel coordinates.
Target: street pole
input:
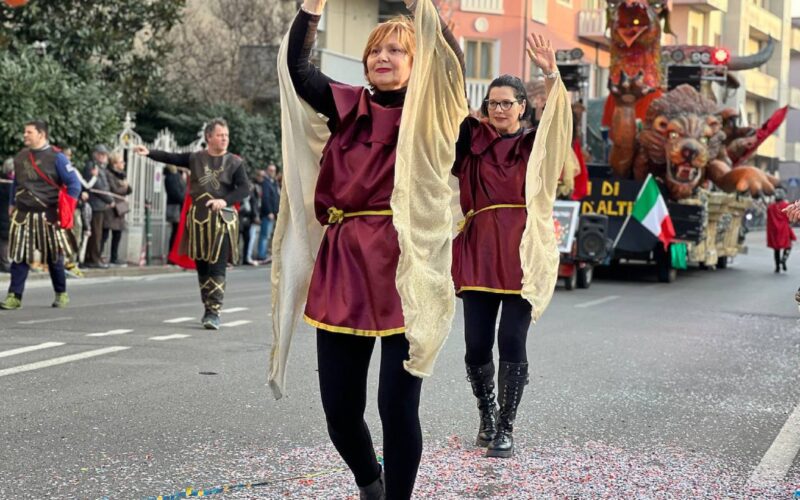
(524, 39)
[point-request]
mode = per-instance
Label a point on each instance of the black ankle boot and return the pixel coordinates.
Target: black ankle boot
(512, 380)
(374, 490)
(482, 380)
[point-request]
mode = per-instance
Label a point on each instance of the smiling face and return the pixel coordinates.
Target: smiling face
(505, 121)
(389, 55)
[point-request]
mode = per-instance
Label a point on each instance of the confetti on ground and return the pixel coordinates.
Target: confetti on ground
(452, 470)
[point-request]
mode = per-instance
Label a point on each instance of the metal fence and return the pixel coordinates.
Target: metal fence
(146, 179)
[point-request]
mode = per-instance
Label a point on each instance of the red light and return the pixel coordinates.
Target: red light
(721, 56)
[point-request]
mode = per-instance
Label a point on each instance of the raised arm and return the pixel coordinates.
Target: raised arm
(309, 82)
(177, 159)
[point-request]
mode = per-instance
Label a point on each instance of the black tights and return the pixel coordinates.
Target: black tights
(480, 316)
(343, 361)
(781, 259)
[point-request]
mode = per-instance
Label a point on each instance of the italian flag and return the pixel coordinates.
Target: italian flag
(650, 210)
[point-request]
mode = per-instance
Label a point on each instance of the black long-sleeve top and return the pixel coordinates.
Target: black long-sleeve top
(313, 86)
(240, 192)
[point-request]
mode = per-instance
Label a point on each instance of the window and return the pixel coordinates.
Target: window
(388, 9)
(487, 6)
(539, 11)
(479, 56)
(565, 3)
(591, 4)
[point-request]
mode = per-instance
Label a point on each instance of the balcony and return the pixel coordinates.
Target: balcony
(342, 68)
(483, 6)
(760, 84)
(704, 5)
(793, 151)
(794, 98)
(592, 26)
(476, 91)
(764, 21)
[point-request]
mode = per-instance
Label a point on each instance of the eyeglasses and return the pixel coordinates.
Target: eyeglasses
(504, 105)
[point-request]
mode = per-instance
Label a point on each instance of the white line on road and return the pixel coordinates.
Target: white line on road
(236, 309)
(59, 361)
(779, 457)
(237, 323)
(598, 301)
(22, 350)
(36, 321)
(178, 320)
(108, 333)
(174, 336)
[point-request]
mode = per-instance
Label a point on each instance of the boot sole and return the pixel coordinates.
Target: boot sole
(209, 326)
(499, 453)
(482, 443)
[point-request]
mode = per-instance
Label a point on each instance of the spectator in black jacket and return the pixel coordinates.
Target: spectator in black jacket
(270, 199)
(5, 199)
(175, 185)
(100, 203)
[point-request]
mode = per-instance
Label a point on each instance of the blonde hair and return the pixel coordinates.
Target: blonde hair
(115, 157)
(402, 26)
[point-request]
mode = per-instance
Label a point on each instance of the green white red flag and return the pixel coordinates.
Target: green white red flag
(650, 210)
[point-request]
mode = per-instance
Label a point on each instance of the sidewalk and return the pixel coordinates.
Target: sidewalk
(104, 273)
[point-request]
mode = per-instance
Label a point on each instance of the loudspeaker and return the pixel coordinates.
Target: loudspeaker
(593, 243)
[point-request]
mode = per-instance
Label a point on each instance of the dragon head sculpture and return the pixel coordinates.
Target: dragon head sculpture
(682, 131)
(635, 22)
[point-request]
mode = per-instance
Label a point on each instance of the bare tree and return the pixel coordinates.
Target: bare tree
(207, 59)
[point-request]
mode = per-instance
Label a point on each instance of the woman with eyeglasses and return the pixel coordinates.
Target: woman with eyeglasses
(491, 165)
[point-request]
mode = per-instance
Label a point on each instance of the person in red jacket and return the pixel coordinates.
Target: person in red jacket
(779, 232)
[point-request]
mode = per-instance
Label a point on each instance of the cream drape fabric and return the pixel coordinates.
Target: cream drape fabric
(538, 251)
(434, 107)
(297, 233)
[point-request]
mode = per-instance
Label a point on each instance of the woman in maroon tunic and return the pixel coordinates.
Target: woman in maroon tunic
(779, 232)
(491, 163)
(352, 297)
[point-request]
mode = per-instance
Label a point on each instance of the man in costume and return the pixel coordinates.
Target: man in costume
(40, 172)
(209, 229)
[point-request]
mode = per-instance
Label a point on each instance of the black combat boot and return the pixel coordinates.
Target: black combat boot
(374, 490)
(512, 380)
(482, 380)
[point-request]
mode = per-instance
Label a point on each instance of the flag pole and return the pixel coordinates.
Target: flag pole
(628, 218)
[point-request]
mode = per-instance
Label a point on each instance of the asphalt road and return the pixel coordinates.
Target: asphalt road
(638, 389)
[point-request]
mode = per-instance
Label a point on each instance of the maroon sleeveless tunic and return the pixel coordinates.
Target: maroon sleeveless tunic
(353, 283)
(486, 252)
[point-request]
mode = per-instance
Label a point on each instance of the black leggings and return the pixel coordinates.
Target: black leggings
(781, 259)
(343, 361)
(480, 316)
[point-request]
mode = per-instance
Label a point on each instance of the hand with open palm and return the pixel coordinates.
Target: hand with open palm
(541, 53)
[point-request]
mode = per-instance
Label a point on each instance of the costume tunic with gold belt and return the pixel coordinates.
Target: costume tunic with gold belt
(35, 222)
(207, 236)
(353, 283)
(491, 171)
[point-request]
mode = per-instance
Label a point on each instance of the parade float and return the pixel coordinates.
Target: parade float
(664, 121)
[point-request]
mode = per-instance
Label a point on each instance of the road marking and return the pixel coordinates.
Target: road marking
(60, 361)
(237, 323)
(780, 456)
(174, 336)
(22, 350)
(108, 333)
(178, 320)
(236, 309)
(36, 321)
(598, 301)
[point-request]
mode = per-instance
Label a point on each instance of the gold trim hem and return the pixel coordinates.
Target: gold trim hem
(353, 331)
(486, 289)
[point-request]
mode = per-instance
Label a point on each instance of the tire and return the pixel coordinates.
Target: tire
(722, 262)
(585, 275)
(571, 281)
(666, 273)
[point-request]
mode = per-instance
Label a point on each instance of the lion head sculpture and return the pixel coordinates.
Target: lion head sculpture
(682, 132)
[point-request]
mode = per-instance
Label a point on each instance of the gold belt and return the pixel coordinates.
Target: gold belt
(336, 216)
(472, 213)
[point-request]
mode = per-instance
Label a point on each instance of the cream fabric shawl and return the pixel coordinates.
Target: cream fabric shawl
(434, 107)
(538, 251)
